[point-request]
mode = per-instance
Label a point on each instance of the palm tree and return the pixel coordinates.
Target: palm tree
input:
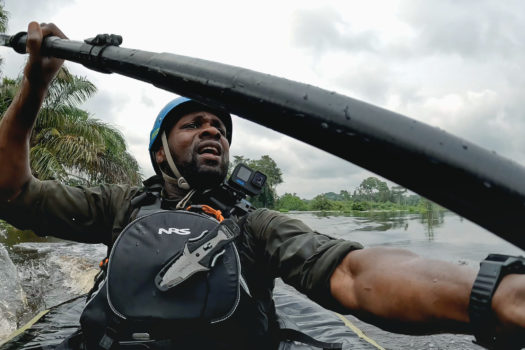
(3, 17)
(3, 20)
(67, 144)
(70, 146)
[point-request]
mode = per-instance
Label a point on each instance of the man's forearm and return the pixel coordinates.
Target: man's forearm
(402, 292)
(17, 123)
(15, 132)
(508, 303)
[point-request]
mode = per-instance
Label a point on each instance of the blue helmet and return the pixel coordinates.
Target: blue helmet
(171, 113)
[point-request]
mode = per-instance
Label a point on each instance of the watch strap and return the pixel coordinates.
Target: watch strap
(491, 272)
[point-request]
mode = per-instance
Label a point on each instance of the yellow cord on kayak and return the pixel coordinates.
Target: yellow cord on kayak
(347, 322)
(359, 332)
(25, 327)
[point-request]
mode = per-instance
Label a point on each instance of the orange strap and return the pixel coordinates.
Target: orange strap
(103, 262)
(208, 210)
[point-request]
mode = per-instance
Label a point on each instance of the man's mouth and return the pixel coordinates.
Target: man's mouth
(210, 151)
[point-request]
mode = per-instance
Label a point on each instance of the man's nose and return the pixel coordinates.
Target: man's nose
(211, 132)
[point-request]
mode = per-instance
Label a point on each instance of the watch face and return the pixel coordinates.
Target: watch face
(515, 264)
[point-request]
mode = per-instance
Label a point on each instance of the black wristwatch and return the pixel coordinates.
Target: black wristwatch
(482, 318)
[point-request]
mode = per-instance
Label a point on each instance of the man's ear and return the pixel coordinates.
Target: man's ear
(160, 156)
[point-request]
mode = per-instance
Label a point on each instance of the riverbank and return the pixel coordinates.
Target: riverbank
(372, 209)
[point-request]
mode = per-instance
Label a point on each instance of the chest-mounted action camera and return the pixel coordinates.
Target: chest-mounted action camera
(247, 180)
(230, 196)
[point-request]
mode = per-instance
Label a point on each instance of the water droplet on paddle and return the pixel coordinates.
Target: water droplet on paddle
(347, 114)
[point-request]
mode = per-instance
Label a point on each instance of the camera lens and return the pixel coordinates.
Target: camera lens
(259, 180)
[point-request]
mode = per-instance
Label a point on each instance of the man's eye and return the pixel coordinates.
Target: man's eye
(192, 125)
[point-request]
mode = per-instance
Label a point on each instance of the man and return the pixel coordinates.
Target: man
(392, 288)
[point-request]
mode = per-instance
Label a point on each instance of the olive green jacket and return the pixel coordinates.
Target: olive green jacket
(272, 245)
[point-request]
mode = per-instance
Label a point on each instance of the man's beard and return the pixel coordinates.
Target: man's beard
(203, 177)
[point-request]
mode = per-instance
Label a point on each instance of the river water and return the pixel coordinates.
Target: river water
(37, 273)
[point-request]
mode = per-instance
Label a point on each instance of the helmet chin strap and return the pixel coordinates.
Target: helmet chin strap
(178, 180)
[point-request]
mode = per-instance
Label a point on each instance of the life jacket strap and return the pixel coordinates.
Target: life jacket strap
(217, 214)
(296, 335)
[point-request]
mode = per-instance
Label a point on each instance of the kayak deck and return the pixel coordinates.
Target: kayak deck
(50, 328)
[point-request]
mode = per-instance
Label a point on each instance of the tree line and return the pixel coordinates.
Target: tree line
(379, 197)
(371, 194)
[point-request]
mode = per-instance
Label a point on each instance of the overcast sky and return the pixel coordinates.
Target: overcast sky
(457, 65)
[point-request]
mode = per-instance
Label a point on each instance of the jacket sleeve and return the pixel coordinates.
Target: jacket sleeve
(75, 213)
(302, 257)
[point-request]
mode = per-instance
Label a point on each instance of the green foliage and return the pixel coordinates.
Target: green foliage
(3, 20)
(67, 144)
(372, 189)
(345, 195)
(3, 17)
(397, 194)
(268, 196)
(8, 90)
(360, 206)
(290, 201)
(427, 206)
(332, 196)
(321, 202)
(371, 195)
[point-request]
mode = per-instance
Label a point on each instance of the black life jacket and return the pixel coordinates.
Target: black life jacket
(174, 281)
(172, 276)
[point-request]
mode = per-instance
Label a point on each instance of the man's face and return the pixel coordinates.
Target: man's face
(200, 149)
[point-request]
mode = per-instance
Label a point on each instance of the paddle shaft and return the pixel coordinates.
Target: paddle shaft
(471, 181)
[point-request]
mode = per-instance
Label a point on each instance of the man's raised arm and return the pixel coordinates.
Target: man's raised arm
(18, 120)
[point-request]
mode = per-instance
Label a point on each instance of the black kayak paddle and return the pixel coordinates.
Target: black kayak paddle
(473, 182)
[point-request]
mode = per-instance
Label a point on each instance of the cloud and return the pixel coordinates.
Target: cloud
(473, 29)
(467, 28)
(324, 29)
(147, 101)
(105, 105)
(44, 12)
(456, 65)
(302, 165)
(490, 118)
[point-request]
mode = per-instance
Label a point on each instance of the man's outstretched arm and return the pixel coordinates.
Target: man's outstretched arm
(18, 120)
(400, 291)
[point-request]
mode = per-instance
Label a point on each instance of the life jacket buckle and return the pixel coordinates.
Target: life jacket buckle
(203, 208)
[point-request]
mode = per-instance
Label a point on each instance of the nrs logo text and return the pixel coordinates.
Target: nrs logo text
(174, 230)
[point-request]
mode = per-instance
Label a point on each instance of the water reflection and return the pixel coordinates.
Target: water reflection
(366, 221)
(388, 220)
(440, 235)
(431, 220)
(10, 236)
(435, 234)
